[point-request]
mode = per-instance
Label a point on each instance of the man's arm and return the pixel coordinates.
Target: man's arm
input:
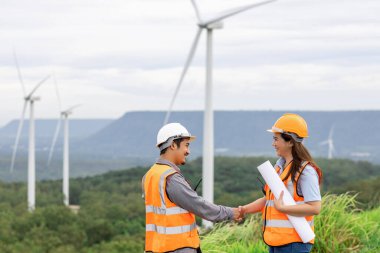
(180, 193)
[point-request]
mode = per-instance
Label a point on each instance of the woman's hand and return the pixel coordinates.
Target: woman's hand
(279, 203)
(306, 209)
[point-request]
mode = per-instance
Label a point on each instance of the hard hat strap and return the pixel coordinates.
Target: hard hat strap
(294, 136)
(169, 142)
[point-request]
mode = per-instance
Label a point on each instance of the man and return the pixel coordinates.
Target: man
(170, 203)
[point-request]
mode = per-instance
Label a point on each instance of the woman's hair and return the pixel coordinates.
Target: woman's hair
(300, 154)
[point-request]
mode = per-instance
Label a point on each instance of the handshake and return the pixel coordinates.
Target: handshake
(239, 213)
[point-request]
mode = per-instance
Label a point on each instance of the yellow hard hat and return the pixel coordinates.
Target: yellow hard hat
(290, 123)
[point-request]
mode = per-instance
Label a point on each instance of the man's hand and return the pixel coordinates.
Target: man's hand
(242, 211)
(238, 214)
(279, 203)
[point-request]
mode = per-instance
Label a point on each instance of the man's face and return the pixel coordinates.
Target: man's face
(181, 152)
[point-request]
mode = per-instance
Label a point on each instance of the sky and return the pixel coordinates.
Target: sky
(119, 56)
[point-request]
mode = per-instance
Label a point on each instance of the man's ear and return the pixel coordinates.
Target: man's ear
(173, 146)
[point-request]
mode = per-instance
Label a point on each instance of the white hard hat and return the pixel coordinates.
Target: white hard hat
(170, 132)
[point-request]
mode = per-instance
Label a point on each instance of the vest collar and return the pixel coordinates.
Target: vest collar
(166, 162)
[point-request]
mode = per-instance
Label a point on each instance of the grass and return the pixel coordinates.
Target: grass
(373, 239)
(231, 237)
(340, 227)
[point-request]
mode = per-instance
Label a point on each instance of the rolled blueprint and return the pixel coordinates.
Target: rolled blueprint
(276, 185)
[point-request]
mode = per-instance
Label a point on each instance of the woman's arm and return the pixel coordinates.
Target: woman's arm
(307, 209)
(253, 207)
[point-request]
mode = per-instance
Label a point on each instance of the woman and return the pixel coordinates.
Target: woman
(301, 177)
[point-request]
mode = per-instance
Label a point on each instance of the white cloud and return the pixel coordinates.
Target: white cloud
(116, 56)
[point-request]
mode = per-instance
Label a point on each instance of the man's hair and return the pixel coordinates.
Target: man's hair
(176, 141)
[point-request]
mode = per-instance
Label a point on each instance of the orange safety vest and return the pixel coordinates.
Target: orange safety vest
(277, 229)
(168, 226)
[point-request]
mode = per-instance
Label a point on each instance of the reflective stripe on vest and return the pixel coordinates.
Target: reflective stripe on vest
(170, 230)
(162, 186)
(283, 223)
(167, 211)
(271, 202)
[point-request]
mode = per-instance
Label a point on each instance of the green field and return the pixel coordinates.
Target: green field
(112, 219)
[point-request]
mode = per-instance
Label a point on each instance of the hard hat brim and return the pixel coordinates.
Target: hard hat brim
(275, 130)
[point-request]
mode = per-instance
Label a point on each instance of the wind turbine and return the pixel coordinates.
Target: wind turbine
(208, 24)
(28, 99)
(63, 116)
(330, 143)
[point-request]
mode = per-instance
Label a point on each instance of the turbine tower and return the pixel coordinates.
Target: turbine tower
(330, 143)
(28, 99)
(208, 24)
(63, 115)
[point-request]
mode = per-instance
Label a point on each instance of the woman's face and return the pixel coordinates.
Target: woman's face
(283, 148)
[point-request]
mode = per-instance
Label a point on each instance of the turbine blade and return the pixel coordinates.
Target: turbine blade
(51, 151)
(184, 71)
(57, 92)
(38, 85)
(20, 125)
(19, 72)
(323, 142)
(233, 12)
(196, 10)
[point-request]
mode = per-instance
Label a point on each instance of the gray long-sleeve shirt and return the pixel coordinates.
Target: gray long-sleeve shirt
(180, 193)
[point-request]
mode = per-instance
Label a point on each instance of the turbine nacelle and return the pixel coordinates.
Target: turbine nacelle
(215, 25)
(69, 111)
(32, 99)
